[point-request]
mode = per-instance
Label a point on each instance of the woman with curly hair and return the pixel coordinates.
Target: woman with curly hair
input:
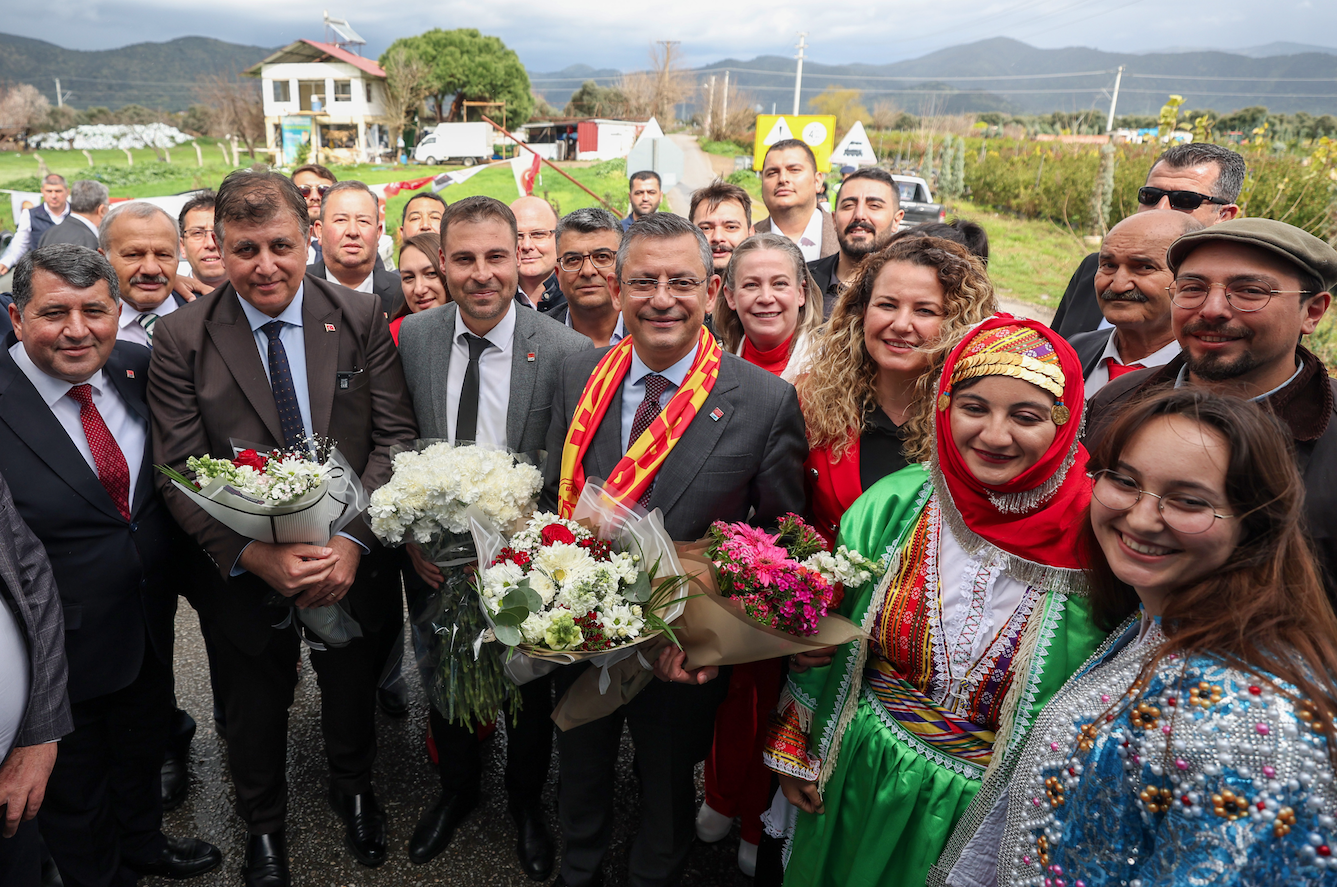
(870, 370)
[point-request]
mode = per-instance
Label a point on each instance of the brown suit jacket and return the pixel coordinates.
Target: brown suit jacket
(830, 245)
(207, 386)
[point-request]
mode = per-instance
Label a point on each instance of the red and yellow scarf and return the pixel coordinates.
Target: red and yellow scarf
(637, 470)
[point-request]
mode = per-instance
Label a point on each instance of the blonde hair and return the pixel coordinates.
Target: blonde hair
(841, 387)
(729, 326)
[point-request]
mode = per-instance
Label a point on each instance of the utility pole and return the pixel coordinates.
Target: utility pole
(724, 110)
(60, 98)
(1114, 100)
(710, 105)
(798, 74)
(664, 73)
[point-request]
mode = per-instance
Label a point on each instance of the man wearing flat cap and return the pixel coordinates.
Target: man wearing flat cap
(1244, 293)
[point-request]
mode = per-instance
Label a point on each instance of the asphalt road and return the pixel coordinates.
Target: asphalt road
(483, 850)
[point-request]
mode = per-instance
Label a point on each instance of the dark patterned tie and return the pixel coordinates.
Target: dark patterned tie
(285, 395)
(112, 469)
(466, 416)
(646, 413)
(147, 320)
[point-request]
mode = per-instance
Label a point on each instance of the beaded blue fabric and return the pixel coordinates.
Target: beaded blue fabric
(1207, 776)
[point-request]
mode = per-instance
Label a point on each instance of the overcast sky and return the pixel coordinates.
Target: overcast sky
(549, 36)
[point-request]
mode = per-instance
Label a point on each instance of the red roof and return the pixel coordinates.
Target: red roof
(315, 51)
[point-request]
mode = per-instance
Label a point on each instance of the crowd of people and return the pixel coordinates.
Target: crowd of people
(1103, 650)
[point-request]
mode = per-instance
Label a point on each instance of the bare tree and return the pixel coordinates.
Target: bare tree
(885, 114)
(408, 83)
(22, 109)
(237, 107)
(731, 113)
(656, 92)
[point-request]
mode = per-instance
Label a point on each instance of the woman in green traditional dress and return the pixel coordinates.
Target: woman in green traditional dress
(978, 620)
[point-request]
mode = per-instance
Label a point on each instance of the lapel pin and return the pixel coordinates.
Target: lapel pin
(716, 413)
(129, 374)
(329, 327)
(530, 357)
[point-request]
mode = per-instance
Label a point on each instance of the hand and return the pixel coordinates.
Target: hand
(339, 580)
(801, 662)
(427, 571)
(801, 793)
(668, 667)
(4, 269)
(23, 783)
(289, 569)
(190, 288)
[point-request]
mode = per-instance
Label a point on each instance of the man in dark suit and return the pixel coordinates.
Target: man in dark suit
(272, 358)
(349, 229)
(74, 429)
(484, 369)
(739, 457)
(89, 202)
(34, 709)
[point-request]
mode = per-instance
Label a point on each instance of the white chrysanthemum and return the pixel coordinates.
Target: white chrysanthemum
(499, 580)
(545, 587)
(565, 564)
(622, 621)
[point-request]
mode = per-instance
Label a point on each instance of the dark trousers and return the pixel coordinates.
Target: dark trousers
(103, 802)
(257, 692)
(671, 727)
(528, 747)
(21, 857)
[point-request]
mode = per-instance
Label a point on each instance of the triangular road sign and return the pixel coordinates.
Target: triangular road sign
(854, 149)
(779, 132)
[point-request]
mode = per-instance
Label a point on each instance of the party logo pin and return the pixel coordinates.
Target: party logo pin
(716, 414)
(530, 357)
(329, 327)
(129, 374)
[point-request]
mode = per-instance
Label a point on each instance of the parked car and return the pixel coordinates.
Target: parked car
(917, 201)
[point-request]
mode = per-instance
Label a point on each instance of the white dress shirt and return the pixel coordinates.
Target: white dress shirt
(131, 330)
(23, 239)
(619, 331)
(91, 226)
(494, 378)
(294, 346)
(130, 431)
(17, 669)
(810, 241)
(633, 389)
(1100, 376)
(364, 286)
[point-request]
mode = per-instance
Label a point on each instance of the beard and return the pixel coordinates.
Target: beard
(1217, 368)
(859, 249)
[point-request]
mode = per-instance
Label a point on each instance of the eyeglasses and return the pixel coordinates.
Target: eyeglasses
(648, 287)
(600, 259)
(539, 236)
(1185, 201)
(322, 190)
(198, 233)
(1187, 514)
(1243, 295)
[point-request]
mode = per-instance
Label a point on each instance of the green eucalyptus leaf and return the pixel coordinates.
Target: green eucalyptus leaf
(508, 635)
(640, 590)
(511, 616)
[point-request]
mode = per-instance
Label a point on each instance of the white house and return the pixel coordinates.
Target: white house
(326, 97)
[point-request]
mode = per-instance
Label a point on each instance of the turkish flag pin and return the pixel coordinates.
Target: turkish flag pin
(129, 374)
(530, 357)
(716, 413)
(329, 327)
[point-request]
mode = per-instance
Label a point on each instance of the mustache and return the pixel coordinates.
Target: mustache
(149, 278)
(1130, 296)
(1196, 327)
(860, 226)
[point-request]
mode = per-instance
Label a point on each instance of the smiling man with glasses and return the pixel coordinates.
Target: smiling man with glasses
(1199, 179)
(1244, 294)
(536, 243)
(587, 242)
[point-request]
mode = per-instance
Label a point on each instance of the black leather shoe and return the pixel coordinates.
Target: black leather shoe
(266, 861)
(534, 844)
(437, 826)
(175, 781)
(393, 700)
(365, 836)
(180, 858)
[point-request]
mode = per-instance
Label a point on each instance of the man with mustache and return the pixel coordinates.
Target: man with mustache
(1244, 293)
(1131, 283)
(723, 212)
(868, 212)
(140, 240)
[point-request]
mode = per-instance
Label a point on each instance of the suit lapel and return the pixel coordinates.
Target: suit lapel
(235, 341)
(693, 449)
(132, 394)
(524, 375)
(320, 324)
(31, 420)
(439, 348)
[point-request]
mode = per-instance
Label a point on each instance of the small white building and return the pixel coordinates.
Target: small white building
(324, 96)
(581, 138)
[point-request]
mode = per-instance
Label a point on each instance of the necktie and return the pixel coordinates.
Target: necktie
(285, 395)
(466, 417)
(112, 469)
(1118, 369)
(646, 413)
(147, 320)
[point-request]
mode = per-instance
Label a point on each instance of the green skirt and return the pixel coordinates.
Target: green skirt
(889, 812)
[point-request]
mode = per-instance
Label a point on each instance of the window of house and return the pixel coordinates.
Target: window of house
(343, 90)
(368, 93)
(281, 91)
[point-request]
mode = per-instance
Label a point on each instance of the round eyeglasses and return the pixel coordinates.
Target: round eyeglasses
(1180, 511)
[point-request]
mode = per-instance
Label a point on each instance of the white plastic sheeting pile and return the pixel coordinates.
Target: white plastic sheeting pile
(101, 136)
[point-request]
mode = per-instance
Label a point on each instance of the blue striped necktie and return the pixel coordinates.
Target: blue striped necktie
(285, 395)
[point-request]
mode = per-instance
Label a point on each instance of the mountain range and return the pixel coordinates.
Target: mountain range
(998, 74)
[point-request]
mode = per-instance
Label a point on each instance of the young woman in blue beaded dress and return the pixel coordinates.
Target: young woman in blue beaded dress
(1197, 745)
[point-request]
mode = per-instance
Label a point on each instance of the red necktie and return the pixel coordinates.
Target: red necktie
(107, 456)
(1117, 369)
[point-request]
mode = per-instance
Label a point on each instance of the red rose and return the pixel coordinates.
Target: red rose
(250, 458)
(554, 533)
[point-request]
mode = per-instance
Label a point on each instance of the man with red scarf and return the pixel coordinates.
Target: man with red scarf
(669, 421)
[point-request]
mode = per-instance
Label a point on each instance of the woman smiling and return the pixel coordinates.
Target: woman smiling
(420, 273)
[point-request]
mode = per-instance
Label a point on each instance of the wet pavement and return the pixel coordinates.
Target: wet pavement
(482, 851)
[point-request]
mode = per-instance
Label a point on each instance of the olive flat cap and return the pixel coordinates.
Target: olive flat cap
(1298, 247)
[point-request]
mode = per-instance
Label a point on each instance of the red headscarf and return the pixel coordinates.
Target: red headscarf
(1037, 515)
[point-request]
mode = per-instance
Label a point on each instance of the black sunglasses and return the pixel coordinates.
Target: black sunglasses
(322, 190)
(1186, 201)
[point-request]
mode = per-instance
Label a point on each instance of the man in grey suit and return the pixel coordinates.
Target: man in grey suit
(34, 708)
(740, 457)
(483, 369)
(89, 202)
